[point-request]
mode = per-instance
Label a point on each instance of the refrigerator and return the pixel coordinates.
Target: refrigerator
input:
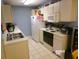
(37, 23)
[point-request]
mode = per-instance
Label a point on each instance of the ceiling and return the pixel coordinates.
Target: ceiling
(21, 2)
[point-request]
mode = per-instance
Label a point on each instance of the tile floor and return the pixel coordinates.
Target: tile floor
(38, 51)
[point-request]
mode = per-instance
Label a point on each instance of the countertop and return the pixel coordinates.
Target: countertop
(56, 32)
(16, 30)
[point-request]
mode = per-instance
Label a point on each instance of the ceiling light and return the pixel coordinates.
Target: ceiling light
(22, 1)
(27, 2)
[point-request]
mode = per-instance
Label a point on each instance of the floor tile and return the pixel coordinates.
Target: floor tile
(38, 51)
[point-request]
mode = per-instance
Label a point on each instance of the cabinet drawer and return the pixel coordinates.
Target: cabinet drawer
(60, 37)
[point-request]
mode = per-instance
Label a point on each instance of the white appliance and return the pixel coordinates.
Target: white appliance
(37, 23)
(53, 40)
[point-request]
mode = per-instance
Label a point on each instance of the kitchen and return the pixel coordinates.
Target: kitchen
(33, 29)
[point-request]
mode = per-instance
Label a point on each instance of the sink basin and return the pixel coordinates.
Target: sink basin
(14, 36)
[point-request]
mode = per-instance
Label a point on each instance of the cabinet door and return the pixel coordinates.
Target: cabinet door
(68, 10)
(33, 12)
(59, 42)
(2, 50)
(57, 11)
(42, 10)
(7, 13)
(74, 9)
(46, 13)
(51, 10)
(18, 50)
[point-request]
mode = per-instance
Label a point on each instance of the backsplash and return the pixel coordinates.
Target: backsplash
(60, 24)
(66, 25)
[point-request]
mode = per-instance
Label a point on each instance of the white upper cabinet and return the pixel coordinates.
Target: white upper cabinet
(7, 13)
(42, 10)
(61, 11)
(57, 11)
(46, 13)
(68, 10)
(52, 12)
(34, 12)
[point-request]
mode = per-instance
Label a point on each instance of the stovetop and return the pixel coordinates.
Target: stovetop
(52, 29)
(14, 36)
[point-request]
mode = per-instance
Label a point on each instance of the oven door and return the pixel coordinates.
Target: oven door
(48, 38)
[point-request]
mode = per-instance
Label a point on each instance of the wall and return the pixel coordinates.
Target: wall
(1, 2)
(22, 18)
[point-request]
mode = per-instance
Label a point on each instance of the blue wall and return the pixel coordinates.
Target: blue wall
(22, 18)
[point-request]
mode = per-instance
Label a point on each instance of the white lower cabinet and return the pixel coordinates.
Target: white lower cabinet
(18, 50)
(2, 50)
(59, 42)
(41, 36)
